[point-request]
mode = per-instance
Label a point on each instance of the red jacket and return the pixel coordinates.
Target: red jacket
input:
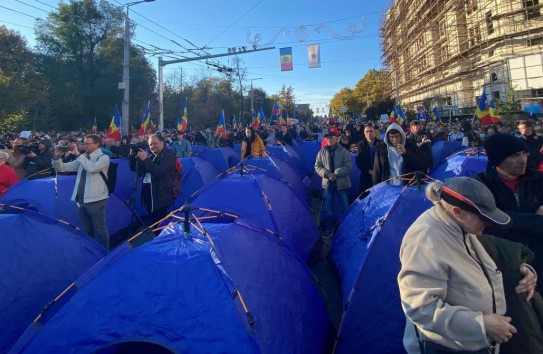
(8, 177)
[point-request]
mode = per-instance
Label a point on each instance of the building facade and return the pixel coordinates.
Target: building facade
(445, 52)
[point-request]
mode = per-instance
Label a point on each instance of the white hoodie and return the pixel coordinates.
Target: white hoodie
(395, 158)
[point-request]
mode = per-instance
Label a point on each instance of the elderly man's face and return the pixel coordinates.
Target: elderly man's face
(515, 165)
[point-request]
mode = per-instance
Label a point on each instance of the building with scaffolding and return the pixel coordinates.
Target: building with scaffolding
(444, 52)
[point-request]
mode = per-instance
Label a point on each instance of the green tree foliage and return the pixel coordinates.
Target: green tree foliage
(21, 89)
(367, 97)
(287, 99)
(81, 53)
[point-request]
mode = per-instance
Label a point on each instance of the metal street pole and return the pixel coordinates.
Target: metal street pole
(125, 85)
(252, 106)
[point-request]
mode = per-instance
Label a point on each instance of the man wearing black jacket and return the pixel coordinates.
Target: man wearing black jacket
(158, 172)
(518, 192)
(365, 157)
(423, 139)
(38, 165)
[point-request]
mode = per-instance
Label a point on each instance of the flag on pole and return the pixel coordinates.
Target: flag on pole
(281, 120)
(394, 115)
(286, 58)
(183, 123)
(481, 112)
(435, 114)
(275, 110)
(314, 55)
(262, 116)
(255, 121)
(288, 119)
(94, 126)
(152, 126)
(401, 115)
(145, 120)
(234, 122)
(114, 130)
(494, 117)
(221, 126)
(240, 123)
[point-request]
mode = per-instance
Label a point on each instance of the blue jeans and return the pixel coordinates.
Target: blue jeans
(329, 195)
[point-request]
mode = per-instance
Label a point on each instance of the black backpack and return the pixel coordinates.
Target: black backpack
(111, 179)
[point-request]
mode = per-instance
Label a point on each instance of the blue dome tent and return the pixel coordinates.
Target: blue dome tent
(197, 148)
(279, 169)
(365, 251)
(39, 257)
(222, 158)
(51, 196)
(463, 163)
(264, 200)
(196, 173)
(222, 288)
(290, 156)
(308, 151)
(125, 179)
(442, 149)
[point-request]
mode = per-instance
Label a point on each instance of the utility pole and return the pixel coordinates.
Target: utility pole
(163, 63)
(125, 84)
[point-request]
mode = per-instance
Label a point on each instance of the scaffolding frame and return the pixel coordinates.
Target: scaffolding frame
(440, 52)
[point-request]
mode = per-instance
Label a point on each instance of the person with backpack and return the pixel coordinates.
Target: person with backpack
(91, 190)
(158, 170)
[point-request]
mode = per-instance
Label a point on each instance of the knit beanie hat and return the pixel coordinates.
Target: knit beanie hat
(500, 146)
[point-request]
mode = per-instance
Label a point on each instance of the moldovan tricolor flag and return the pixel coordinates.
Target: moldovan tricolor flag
(183, 123)
(94, 126)
(221, 126)
(286, 58)
(146, 119)
(314, 55)
(114, 130)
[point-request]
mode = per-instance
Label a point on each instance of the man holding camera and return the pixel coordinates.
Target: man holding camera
(158, 172)
(90, 192)
(37, 163)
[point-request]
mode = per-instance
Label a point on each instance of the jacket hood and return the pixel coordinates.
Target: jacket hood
(47, 143)
(394, 126)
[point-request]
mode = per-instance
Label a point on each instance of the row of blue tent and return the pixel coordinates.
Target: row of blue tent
(236, 278)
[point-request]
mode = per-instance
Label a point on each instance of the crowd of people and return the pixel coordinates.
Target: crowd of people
(461, 289)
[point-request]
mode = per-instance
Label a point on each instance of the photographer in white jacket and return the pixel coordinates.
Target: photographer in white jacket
(90, 190)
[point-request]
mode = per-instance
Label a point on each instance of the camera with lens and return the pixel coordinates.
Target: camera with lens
(27, 149)
(135, 147)
(63, 148)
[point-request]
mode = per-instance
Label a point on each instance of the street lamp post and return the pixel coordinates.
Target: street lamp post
(252, 105)
(125, 85)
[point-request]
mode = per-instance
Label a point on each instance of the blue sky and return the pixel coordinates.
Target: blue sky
(223, 24)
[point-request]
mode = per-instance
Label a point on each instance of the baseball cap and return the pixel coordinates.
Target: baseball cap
(471, 195)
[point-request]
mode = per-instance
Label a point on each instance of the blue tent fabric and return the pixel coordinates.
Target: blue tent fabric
(308, 151)
(176, 292)
(125, 179)
(365, 252)
(290, 156)
(222, 158)
(51, 196)
(442, 149)
(197, 148)
(279, 169)
(196, 173)
(39, 258)
(464, 163)
(266, 201)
